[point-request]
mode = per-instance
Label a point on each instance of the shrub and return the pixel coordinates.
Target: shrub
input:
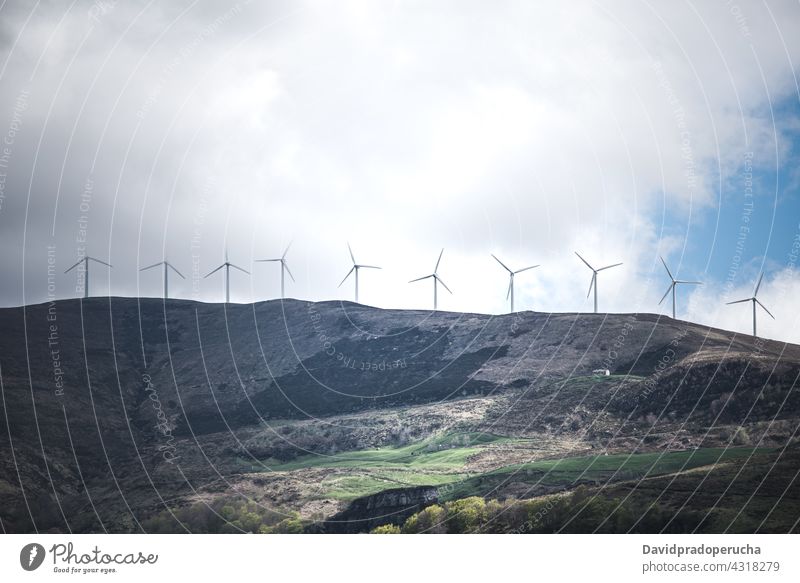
(466, 515)
(223, 515)
(430, 520)
(386, 529)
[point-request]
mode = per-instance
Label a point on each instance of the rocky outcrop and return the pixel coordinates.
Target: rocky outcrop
(387, 507)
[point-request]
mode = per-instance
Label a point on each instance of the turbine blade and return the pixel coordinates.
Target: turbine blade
(151, 266)
(287, 250)
(369, 267)
(591, 283)
(286, 267)
(438, 261)
(351, 253)
(738, 302)
(669, 289)
(758, 285)
(510, 283)
(266, 260)
(667, 268)
(586, 262)
(420, 278)
(609, 266)
(501, 263)
(172, 267)
(239, 268)
(74, 266)
(98, 261)
(439, 279)
(689, 282)
(525, 269)
(765, 309)
(352, 269)
(216, 270)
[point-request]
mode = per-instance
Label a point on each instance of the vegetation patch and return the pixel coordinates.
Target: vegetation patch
(570, 472)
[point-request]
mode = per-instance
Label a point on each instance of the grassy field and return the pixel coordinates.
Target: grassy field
(441, 454)
(443, 460)
(569, 472)
(433, 462)
(759, 494)
(640, 464)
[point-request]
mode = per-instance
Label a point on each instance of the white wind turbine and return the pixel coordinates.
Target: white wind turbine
(284, 267)
(436, 280)
(673, 286)
(511, 274)
(755, 301)
(227, 265)
(593, 283)
(86, 259)
(355, 269)
(167, 266)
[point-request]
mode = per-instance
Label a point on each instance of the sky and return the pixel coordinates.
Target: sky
(626, 131)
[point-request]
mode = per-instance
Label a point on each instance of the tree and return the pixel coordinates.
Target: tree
(466, 515)
(431, 520)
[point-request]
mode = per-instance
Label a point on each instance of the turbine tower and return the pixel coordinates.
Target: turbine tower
(284, 267)
(755, 301)
(167, 266)
(436, 280)
(86, 259)
(673, 286)
(511, 274)
(227, 265)
(593, 283)
(355, 269)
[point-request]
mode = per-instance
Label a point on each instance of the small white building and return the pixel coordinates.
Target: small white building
(601, 372)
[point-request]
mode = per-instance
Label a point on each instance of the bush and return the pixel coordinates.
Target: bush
(386, 529)
(578, 512)
(223, 516)
(430, 520)
(466, 515)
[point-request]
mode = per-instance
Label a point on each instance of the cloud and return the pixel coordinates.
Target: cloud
(404, 127)
(778, 293)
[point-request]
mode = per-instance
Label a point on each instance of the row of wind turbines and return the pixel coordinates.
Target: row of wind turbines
(354, 270)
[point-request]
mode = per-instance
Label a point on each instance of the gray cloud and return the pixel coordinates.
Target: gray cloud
(404, 127)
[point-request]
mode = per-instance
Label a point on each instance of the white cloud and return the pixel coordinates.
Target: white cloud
(526, 130)
(778, 292)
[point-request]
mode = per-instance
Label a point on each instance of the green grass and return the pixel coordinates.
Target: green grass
(568, 472)
(433, 462)
(350, 487)
(442, 460)
(440, 454)
(355, 486)
(640, 465)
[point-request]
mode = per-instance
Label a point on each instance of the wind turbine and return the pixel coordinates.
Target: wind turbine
(227, 265)
(673, 286)
(436, 280)
(511, 275)
(593, 283)
(755, 301)
(167, 266)
(86, 259)
(284, 267)
(355, 269)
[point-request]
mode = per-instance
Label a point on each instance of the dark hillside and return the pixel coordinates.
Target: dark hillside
(103, 392)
